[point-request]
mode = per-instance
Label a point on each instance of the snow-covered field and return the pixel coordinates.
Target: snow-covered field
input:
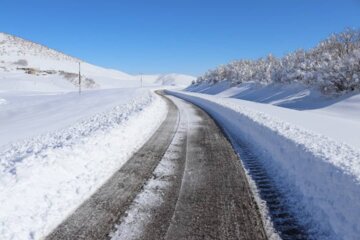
(313, 155)
(27, 114)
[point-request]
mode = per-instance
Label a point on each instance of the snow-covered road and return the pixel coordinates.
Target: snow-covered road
(211, 201)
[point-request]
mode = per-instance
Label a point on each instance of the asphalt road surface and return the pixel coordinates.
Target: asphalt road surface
(208, 195)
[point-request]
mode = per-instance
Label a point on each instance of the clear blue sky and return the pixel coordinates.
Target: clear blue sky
(184, 36)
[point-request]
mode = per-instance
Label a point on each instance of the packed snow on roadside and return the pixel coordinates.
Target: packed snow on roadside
(57, 149)
(312, 156)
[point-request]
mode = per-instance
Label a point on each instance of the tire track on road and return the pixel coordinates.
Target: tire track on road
(95, 218)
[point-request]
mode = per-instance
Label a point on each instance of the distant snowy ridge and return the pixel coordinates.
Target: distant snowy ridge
(12, 46)
(23, 60)
(174, 79)
(320, 176)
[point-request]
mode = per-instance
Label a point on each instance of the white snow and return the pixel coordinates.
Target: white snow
(44, 178)
(313, 156)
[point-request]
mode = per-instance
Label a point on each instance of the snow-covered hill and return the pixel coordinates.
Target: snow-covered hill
(25, 66)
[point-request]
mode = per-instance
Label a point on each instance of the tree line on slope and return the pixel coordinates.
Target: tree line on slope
(333, 66)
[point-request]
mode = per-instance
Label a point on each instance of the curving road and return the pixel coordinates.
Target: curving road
(208, 196)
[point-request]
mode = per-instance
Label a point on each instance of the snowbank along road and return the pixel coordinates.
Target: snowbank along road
(186, 182)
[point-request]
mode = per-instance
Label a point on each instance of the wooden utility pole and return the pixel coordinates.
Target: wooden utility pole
(79, 79)
(141, 80)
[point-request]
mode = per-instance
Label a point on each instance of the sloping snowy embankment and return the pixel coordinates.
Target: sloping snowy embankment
(319, 175)
(44, 178)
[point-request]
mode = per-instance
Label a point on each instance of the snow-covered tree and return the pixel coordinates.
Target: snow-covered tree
(333, 66)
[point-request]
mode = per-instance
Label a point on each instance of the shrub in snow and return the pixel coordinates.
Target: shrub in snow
(21, 62)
